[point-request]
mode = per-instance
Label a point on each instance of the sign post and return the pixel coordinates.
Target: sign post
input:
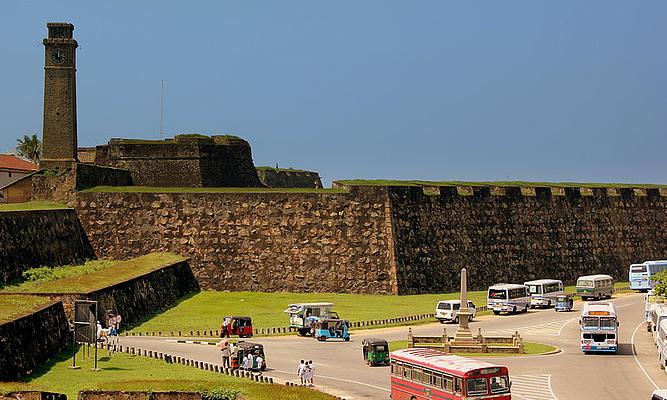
(85, 325)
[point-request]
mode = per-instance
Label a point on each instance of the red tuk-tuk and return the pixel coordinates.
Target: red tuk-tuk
(233, 325)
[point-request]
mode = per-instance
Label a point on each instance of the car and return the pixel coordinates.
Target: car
(448, 310)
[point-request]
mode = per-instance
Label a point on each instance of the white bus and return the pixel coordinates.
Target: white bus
(640, 274)
(599, 327)
(543, 292)
(651, 302)
(662, 343)
(658, 314)
(595, 286)
(508, 297)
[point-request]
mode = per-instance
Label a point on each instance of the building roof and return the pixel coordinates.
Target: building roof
(15, 163)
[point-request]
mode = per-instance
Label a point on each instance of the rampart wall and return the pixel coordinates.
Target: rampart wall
(384, 239)
(517, 234)
(300, 242)
(286, 178)
(30, 340)
(31, 239)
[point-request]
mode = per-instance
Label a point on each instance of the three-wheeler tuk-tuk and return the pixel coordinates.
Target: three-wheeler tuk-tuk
(233, 325)
(376, 351)
(245, 348)
(331, 328)
(564, 302)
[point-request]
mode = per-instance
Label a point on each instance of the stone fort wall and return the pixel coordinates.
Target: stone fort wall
(30, 239)
(300, 242)
(518, 234)
(393, 240)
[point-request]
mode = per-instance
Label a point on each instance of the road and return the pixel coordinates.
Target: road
(568, 375)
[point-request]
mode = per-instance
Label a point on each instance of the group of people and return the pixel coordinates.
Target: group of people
(306, 372)
(252, 362)
(248, 361)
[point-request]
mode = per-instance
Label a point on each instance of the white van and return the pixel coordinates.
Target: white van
(660, 394)
(658, 315)
(651, 302)
(508, 297)
(595, 287)
(543, 292)
(448, 310)
(662, 343)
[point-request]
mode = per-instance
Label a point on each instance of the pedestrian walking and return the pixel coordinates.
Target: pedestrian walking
(224, 329)
(300, 370)
(259, 360)
(311, 373)
(224, 349)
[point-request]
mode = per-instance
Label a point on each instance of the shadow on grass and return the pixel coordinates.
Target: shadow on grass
(154, 314)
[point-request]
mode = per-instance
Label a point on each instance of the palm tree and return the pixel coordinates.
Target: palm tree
(29, 147)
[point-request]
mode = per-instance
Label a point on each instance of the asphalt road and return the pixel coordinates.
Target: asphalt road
(568, 375)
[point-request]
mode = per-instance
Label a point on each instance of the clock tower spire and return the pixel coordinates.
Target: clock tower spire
(59, 140)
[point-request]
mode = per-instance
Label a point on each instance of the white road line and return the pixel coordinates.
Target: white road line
(563, 327)
(634, 353)
(339, 379)
(533, 387)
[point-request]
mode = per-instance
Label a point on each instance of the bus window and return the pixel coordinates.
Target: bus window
(585, 283)
(607, 323)
(535, 289)
(407, 372)
(399, 370)
(447, 383)
(589, 322)
(499, 384)
(426, 377)
(457, 385)
(476, 386)
(498, 294)
(638, 268)
(416, 374)
(393, 368)
(437, 380)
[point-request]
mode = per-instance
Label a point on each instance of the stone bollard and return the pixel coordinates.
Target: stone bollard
(179, 333)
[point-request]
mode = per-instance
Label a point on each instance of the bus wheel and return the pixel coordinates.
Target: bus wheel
(514, 310)
(456, 320)
(496, 312)
(525, 309)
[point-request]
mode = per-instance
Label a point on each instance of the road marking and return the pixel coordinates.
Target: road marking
(192, 342)
(339, 379)
(550, 328)
(533, 387)
(634, 353)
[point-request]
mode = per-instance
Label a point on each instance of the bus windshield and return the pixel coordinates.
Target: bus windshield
(585, 283)
(476, 386)
(500, 384)
(589, 322)
(607, 323)
(498, 294)
(535, 289)
(638, 268)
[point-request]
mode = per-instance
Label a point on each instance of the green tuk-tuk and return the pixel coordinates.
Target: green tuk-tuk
(376, 351)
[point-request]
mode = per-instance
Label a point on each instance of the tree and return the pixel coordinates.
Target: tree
(660, 279)
(29, 147)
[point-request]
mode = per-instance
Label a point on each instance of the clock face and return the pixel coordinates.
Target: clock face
(58, 56)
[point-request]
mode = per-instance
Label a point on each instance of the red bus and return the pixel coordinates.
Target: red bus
(426, 374)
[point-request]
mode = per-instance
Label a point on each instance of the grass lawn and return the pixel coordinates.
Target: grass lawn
(32, 206)
(531, 348)
(91, 276)
(145, 189)
(383, 182)
(12, 306)
(126, 372)
(205, 310)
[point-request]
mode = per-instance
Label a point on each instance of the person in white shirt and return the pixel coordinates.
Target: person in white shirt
(311, 372)
(299, 372)
(259, 360)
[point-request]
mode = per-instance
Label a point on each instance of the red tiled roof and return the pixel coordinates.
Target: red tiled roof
(16, 163)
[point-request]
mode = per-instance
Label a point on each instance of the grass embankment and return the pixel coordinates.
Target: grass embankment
(12, 306)
(33, 206)
(145, 189)
(93, 275)
(205, 310)
(530, 349)
(126, 372)
(384, 182)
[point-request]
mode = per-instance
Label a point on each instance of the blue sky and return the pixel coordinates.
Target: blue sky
(564, 90)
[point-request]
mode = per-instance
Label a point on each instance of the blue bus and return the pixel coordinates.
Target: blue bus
(640, 274)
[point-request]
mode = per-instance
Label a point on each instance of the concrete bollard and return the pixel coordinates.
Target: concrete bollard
(270, 380)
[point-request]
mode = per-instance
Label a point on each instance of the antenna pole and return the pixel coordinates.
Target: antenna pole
(162, 108)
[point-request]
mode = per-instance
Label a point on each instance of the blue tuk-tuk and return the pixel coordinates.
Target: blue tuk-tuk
(564, 302)
(332, 328)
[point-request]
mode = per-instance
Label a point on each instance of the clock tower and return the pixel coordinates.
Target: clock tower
(59, 141)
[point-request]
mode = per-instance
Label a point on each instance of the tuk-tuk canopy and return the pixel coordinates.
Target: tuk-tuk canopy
(250, 346)
(299, 307)
(374, 342)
